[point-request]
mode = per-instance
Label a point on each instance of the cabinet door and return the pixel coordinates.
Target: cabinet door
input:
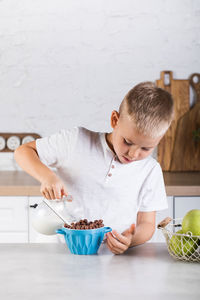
(160, 215)
(184, 204)
(34, 236)
(13, 219)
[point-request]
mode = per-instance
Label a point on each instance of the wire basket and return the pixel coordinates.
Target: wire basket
(181, 246)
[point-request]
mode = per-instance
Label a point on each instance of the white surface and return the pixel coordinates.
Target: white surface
(35, 271)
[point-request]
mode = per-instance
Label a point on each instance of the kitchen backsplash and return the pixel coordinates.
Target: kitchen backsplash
(71, 64)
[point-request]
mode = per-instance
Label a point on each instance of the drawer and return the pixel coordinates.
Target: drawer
(13, 219)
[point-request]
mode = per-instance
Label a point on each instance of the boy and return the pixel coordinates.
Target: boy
(110, 175)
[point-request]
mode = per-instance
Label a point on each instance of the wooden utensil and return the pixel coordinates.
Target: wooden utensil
(179, 89)
(186, 152)
(164, 222)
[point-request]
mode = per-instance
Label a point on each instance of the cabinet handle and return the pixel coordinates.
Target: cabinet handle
(34, 205)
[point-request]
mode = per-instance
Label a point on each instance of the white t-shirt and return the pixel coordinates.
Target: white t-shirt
(103, 187)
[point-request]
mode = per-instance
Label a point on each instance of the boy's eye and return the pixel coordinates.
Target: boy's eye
(145, 149)
(127, 143)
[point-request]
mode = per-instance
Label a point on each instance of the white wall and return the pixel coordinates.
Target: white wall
(67, 63)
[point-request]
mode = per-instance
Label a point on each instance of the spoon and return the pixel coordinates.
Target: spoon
(58, 214)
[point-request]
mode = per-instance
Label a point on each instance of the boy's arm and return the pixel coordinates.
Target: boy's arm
(145, 228)
(27, 158)
(133, 236)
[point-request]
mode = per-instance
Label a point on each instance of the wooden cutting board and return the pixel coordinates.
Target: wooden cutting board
(179, 89)
(186, 152)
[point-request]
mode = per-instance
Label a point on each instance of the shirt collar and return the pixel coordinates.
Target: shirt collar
(106, 148)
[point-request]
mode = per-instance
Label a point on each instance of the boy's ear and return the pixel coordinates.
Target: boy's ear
(114, 118)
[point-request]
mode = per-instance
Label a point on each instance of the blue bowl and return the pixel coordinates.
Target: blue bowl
(83, 242)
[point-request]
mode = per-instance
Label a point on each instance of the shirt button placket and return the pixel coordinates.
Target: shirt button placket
(112, 167)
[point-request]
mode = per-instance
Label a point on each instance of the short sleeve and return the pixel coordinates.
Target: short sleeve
(153, 196)
(56, 148)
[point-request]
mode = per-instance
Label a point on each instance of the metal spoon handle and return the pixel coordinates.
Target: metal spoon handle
(55, 212)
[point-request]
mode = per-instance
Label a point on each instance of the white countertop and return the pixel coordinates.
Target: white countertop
(49, 271)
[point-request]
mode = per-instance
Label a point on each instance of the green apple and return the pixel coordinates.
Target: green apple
(191, 222)
(182, 245)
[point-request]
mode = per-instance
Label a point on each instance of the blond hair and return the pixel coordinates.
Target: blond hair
(150, 107)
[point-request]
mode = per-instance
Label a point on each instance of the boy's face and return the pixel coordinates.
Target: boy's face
(125, 140)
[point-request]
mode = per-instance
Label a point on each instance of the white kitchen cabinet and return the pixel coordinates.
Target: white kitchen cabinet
(13, 219)
(34, 236)
(16, 217)
(184, 204)
(160, 215)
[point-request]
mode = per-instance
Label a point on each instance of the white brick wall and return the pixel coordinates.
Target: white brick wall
(66, 63)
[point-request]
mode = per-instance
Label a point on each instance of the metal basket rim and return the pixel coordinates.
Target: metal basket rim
(172, 223)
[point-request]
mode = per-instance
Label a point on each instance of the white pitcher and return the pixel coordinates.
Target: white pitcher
(46, 221)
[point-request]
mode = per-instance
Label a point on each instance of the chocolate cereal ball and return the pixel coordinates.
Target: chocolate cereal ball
(85, 224)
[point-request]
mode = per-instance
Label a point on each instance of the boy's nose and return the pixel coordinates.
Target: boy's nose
(134, 153)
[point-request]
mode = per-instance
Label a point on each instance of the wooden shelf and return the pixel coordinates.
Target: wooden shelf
(182, 183)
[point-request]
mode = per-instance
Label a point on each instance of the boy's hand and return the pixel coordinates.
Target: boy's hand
(121, 242)
(53, 188)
